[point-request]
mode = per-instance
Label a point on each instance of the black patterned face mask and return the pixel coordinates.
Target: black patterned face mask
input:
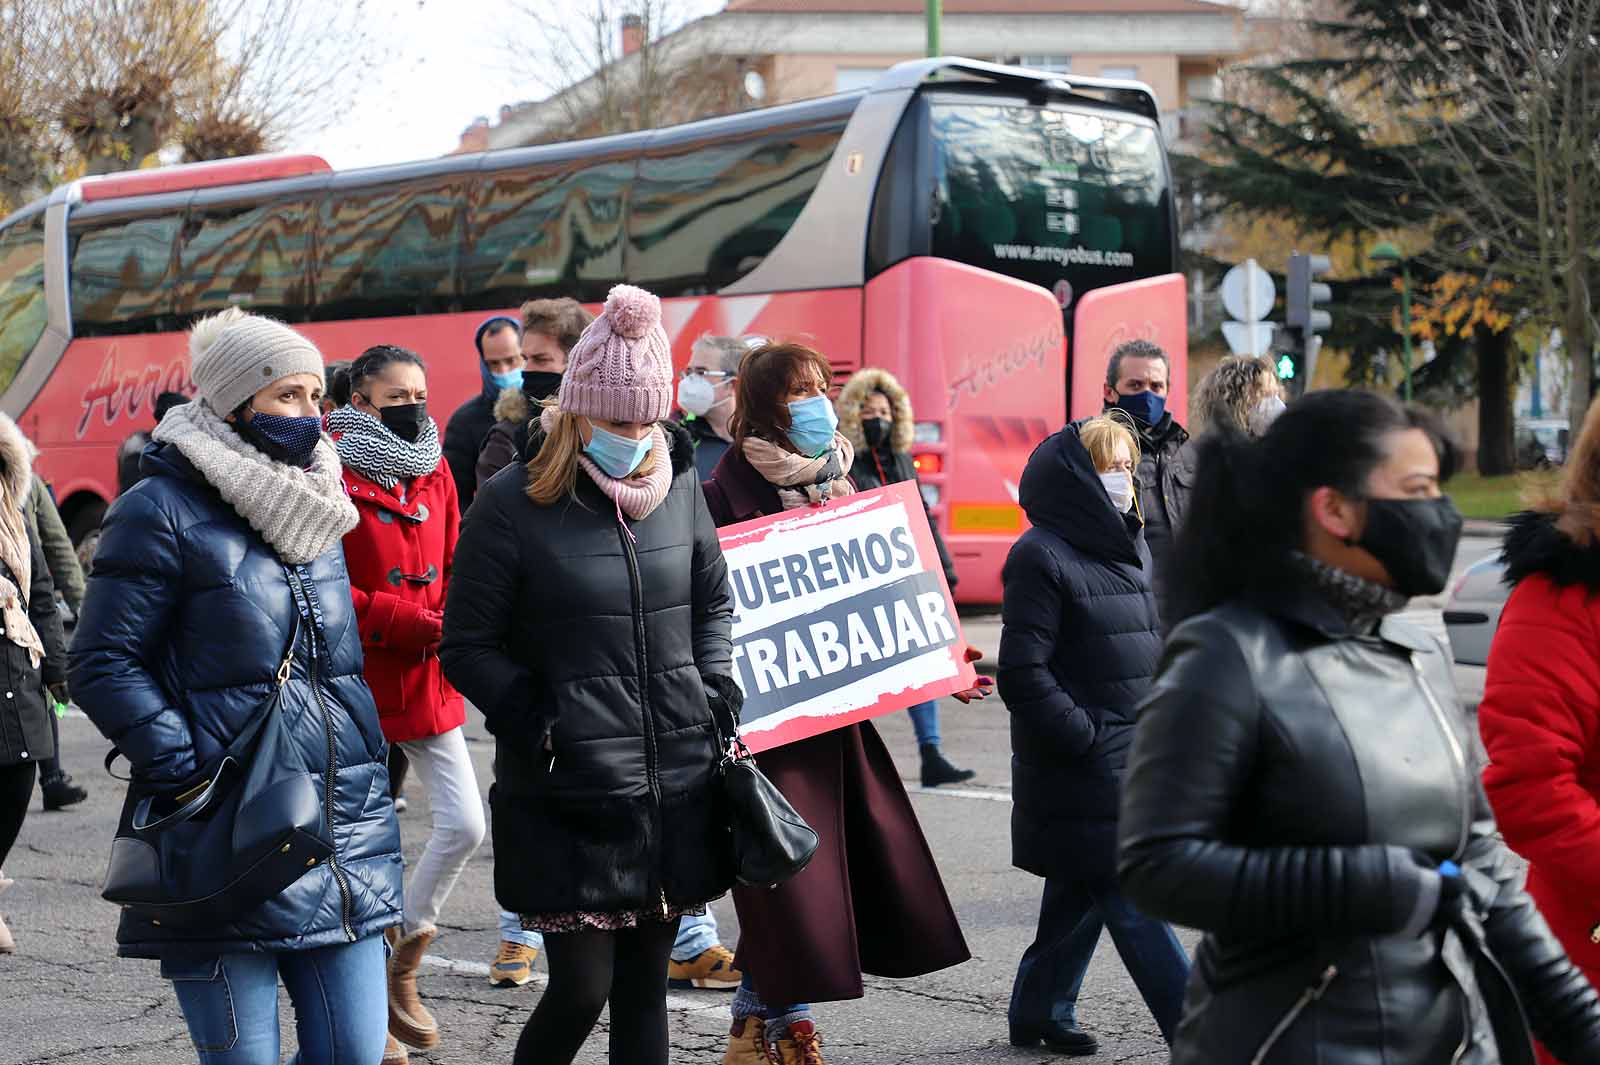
(283, 437)
(1416, 541)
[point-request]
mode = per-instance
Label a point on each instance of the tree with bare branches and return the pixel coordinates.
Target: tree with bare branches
(611, 66)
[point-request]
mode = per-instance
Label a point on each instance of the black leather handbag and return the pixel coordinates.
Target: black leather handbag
(771, 841)
(213, 853)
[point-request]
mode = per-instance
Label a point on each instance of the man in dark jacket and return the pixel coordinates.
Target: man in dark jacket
(1137, 379)
(706, 398)
(128, 473)
(499, 344)
(549, 330)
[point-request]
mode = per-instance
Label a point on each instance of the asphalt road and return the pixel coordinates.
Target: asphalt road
(67, 1000)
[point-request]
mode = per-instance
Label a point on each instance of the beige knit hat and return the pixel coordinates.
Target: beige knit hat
(620, 370)
(234, 355)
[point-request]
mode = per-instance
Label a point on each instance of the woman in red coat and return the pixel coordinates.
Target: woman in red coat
(1540, 715)
(871, 901)
(399, 560)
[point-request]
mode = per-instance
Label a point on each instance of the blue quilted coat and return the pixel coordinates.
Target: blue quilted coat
(186, 619)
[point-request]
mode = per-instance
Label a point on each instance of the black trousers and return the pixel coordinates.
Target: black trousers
(51, 767)
(16, 792)
(627, 968)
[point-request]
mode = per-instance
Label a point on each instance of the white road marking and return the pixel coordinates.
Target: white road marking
(995, 795)
(700, 1002)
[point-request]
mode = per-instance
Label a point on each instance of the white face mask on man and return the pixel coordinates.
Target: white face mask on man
(1119, 486)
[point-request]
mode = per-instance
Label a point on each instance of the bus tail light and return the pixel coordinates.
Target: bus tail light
(927, 432)
(928, 462)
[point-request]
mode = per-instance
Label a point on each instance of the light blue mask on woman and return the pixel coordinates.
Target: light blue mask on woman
(617, 456)
(812, 424)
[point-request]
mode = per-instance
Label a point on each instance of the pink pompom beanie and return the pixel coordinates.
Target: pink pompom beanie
(620, 370)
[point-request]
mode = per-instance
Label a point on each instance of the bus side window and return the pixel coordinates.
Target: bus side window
(256, 256)
(550, 229)
(705, 214)
(122, 275)
(389, 250)
(23, 314)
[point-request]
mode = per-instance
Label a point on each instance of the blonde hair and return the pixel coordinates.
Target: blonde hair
(1230, 392)
(1100, 436)
(553, 471)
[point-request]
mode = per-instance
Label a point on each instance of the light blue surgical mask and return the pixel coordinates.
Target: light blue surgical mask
(509, 379)
(812, 423)
(616, 455)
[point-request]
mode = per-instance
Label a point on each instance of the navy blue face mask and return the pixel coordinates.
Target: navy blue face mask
(287, 439)
(1145, 406)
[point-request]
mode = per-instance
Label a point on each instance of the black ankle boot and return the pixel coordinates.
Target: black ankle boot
(936, 769)
(60, 792)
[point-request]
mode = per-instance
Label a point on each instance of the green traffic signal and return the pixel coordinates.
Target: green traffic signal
(1286, 367)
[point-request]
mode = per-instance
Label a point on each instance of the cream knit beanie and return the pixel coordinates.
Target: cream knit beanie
(234, 355)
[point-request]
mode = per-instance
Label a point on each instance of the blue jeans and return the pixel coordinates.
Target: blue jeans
(231, 1004)
(1071, 915)
(696, 935)
(925, 721)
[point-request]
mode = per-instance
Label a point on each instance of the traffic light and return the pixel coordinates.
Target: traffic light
(1303, 315)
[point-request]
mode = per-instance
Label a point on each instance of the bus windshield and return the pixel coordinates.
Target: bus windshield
(1070, 200)
(22, 301)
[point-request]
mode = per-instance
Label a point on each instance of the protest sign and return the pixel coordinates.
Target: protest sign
(841, 613)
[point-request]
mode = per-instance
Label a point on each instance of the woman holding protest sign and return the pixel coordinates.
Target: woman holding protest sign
(1080, 644)
(588, 618)
(871, 900)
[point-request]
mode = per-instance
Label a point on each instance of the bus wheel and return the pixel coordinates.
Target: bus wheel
(83, 526)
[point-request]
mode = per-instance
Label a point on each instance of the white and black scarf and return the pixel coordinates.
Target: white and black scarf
(368, 446)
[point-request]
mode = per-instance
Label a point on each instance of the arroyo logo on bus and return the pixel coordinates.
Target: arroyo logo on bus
(126, 395)
(841, 613)
(974, 380)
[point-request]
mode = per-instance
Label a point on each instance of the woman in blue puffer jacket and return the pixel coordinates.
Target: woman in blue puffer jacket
(191, 602)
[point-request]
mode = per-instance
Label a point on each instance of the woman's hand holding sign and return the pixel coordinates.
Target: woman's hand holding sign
(985, 685)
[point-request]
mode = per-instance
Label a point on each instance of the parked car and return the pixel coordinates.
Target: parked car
(1541, 442)
(1472, 612)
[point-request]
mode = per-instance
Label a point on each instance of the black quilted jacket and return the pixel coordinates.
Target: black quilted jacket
(561, 623)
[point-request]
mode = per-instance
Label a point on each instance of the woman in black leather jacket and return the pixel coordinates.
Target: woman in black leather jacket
(1300, 787)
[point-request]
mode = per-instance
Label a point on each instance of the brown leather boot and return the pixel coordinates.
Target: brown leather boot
(409, 1020)
(800, 1045)
(747, 1042)
(394, 1053)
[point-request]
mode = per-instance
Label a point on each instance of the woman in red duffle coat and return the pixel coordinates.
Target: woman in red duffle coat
(1540, 715)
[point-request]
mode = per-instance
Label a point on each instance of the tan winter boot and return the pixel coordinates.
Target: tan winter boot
(800, 1045)
(394, 1053)
(409, 1020)
(747, 1042)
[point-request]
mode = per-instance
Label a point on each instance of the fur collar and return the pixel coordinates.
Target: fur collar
(680, 445)
(16, 459)
(1536, 544)
(855, 392)
(512, 406)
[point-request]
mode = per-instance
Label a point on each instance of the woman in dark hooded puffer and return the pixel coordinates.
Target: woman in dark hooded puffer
(1080, 644)
(589, 619)
(201, 572)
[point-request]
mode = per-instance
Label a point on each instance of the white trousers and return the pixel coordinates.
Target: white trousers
(445, 768)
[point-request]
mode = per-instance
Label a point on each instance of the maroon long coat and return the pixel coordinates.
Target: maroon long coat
(399, 561)
(871, 901)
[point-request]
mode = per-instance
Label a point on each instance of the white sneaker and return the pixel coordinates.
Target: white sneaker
(7, 944)
(400, 805)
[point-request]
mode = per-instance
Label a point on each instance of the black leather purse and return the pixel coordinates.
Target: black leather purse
(771, 841)
(216, 851)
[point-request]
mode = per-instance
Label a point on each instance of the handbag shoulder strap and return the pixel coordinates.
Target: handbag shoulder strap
(280, 678)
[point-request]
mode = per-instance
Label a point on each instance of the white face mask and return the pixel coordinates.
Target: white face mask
(1265, 413)
(1119, 486)
(696, 395)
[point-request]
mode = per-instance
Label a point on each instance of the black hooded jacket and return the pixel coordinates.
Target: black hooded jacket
(1079, 647)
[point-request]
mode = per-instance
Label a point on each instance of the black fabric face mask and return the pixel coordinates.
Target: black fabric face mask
(405, 420)
(540, 384)
(876, 430)
(1415, 539)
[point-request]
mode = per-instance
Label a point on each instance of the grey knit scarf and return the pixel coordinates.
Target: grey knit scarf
(1363, 603)
(368, 446)
(299, 513)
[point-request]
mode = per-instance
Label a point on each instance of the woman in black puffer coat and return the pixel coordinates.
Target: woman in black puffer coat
(589, 620)
(1080, 644)
(191, 604)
